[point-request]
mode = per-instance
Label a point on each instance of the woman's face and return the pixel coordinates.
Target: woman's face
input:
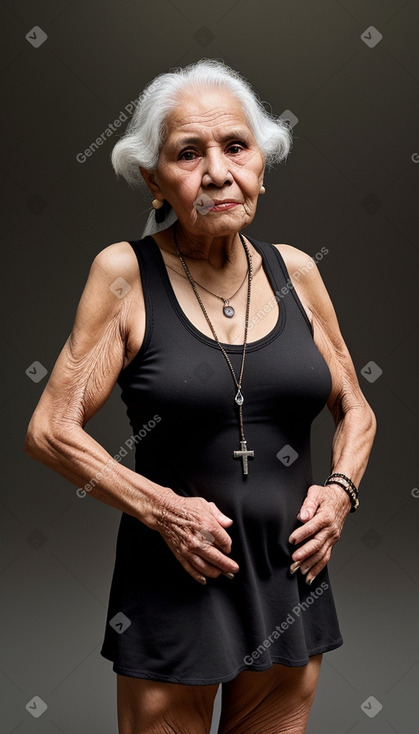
(209, 154)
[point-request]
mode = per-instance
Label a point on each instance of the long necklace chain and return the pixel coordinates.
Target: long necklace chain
(228, 310)
(243, 453)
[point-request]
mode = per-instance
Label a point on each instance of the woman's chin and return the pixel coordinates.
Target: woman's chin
(219, 223)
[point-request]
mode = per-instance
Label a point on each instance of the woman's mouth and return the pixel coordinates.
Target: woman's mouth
(224, 206)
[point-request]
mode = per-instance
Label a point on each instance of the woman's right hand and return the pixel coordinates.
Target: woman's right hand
(194, 531)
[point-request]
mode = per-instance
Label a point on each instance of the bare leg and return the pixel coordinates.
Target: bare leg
(153, 707)
(275, 701)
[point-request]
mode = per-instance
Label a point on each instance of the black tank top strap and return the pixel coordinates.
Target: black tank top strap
(274, 262)
(151, 280)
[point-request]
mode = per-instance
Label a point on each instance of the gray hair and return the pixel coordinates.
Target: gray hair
(144, 137)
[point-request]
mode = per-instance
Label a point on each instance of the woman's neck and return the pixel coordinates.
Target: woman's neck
(218, 252)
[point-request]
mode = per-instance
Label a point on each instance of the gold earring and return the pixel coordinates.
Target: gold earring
(157, 204)
(262, 190)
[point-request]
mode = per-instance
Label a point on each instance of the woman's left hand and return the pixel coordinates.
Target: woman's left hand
(323, 513)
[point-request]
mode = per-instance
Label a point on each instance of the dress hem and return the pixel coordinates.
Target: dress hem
(148, 675)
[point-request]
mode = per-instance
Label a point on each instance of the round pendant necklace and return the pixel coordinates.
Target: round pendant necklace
(228, 310)
(243, 453)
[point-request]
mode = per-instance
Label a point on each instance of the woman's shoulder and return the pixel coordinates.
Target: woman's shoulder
(294, 259)
(116, 270)
(117, 259)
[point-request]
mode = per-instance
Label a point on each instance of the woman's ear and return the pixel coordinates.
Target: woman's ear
(149, 178)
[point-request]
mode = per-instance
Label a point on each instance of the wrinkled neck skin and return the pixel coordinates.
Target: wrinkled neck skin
(205, 253)
(216, 251)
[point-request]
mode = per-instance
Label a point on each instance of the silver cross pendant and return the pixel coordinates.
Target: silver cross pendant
(244, 454)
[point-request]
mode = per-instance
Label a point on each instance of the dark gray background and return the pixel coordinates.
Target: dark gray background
(350, 184)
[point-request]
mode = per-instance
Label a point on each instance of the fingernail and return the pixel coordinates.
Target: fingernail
(309, 581)
(202, 580)
(294, 567)
(229, 575)
(304, 514)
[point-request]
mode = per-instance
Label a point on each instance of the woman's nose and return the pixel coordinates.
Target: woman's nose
(216, 168)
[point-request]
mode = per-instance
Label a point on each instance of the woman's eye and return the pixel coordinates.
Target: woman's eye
(235, 149)
(237, 146)
(186, 152)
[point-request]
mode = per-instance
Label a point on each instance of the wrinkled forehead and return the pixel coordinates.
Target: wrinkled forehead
(206, 110)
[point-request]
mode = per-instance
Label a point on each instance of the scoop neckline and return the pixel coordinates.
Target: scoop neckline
(233, 348)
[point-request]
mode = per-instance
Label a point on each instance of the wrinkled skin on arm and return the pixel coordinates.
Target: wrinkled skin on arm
(325, 509)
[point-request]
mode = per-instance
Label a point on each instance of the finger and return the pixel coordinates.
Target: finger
(221, 538)
(204, 540)
(311, 561)
(224, 520)
(307, 511)
(319, 566)
(199, 566)
(310, 505)
(216, 558)
(312, 546)
(201, 546)
(191, 570)
(180, 553)
(313, 526)
(208, 569)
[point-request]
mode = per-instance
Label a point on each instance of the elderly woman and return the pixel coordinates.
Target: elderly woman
(226, 348)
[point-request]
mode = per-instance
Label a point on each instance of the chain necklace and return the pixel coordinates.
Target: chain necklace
(228, 310)
(243, 453)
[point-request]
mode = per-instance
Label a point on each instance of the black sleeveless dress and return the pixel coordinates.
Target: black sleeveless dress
(161, 623)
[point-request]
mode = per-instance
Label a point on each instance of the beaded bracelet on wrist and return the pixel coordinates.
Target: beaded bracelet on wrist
(350, 488)
(346, 479)
(349, 491)
(343, 476)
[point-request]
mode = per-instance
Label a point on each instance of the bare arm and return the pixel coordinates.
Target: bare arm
(353, 417)
(325, 508)
(81, 381)
(106, 330)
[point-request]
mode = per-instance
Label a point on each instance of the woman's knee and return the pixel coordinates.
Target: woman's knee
(278, 699)
(154, 707)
